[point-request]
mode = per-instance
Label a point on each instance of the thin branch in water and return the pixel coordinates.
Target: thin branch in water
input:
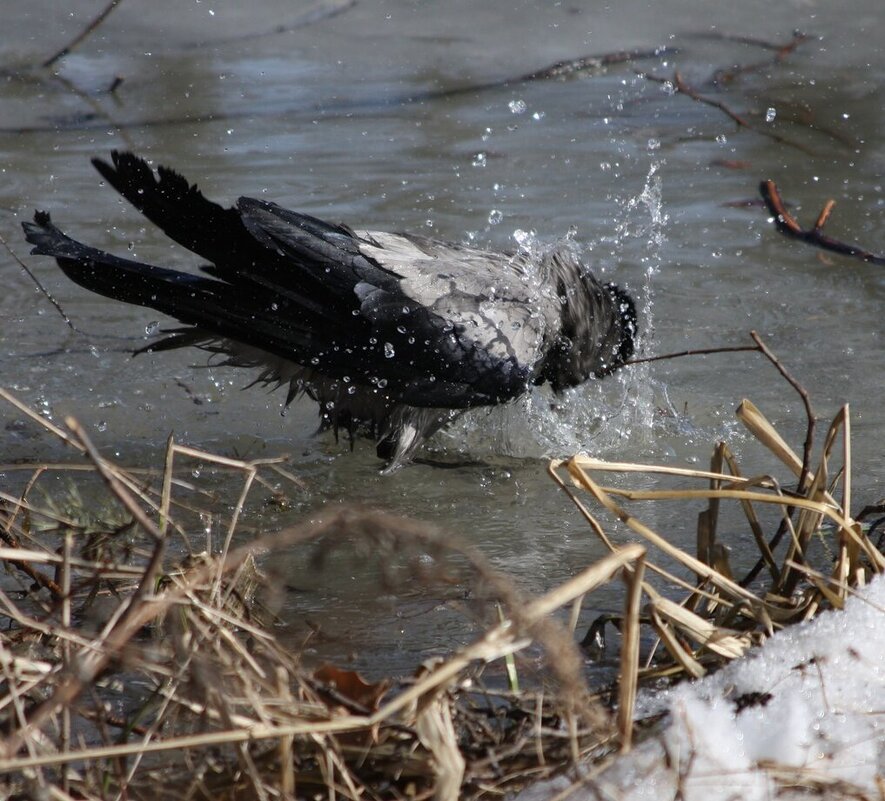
(788, 226)
(323, 10)
(575, 66)
(559, 70)
(806, 454)
(694, 352)
(40, 286)
(679, 84)
(782, 50)
(38, 577)
(88, 30)
(806, 400)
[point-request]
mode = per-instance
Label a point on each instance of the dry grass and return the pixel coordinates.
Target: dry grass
(135, 666)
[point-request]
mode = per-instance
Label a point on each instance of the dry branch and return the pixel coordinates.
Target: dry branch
(683, 87)
(788, 226)
(569, 68)
(87, 31)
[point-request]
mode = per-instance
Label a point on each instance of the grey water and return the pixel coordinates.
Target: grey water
(367, 116)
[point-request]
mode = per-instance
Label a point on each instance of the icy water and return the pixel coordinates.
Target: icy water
(368, 116)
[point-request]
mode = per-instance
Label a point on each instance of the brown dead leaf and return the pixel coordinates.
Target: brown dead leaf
(348, 685)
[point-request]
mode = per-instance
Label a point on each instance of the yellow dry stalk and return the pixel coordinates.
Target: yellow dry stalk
(726, 600)
(671, 642)
(725, 642)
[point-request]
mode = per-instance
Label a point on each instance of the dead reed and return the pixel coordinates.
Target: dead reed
(136, 665)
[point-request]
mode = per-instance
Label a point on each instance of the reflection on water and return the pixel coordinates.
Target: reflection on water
(648, 184)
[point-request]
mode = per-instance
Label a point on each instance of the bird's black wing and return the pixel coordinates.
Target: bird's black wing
(305, 291)
(423, 356)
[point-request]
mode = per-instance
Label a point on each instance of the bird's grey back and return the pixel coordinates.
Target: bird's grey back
(544, 309)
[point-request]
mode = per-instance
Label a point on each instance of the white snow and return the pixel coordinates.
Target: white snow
(819, 718)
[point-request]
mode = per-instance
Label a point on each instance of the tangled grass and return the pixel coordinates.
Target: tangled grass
(135, 666)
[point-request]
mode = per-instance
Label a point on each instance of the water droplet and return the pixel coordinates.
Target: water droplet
(521, 237)
(401, 329)
(389, 352)
(722, 139)
(346, 379)
(539, 115)
(517, 106)
(382, 382)
(274, 307)
(151, 328)
(770, 114)
(314, 360)
(653, 144)
(479, 160)
(495, 216)
(101, 425)
(351, 390)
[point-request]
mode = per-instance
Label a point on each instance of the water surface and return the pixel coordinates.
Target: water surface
(357, 118)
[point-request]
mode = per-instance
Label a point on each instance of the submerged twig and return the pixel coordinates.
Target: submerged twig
(781, 51)
(89, 29)
(322, 10)
(559, 70)
(787, 225)
(46, 293)
(806, 401)
(680, 85)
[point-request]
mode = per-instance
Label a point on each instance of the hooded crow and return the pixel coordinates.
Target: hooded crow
(393, 335)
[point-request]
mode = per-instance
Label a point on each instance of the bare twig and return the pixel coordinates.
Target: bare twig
(787, 225)
(323, 10)
(694, 352)
(89, 29)
(680, 85)
(781, 50)
(576, 66)
(561, 69)
(31, 572)
(806, 455)
(39, 286)
(806, 400)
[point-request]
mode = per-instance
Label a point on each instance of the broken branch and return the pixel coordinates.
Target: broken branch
(788, 226)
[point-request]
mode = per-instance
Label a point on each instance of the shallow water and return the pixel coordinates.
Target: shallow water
(355, 118)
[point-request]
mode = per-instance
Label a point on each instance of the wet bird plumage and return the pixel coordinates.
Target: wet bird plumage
(392, 334)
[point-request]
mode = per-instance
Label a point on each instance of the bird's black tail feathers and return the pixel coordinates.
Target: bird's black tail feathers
(252, 315)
